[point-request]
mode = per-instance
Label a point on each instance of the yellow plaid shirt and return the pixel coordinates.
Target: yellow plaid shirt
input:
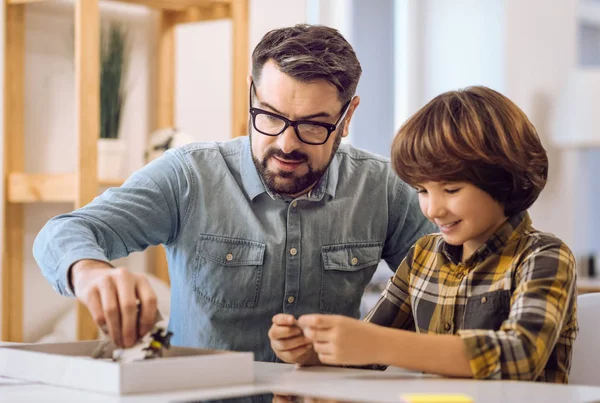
(513, 302)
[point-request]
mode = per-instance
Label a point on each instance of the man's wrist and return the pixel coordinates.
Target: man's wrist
(83, 264)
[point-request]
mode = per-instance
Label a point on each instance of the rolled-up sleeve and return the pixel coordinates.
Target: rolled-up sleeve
(539, 307)
(147, 210)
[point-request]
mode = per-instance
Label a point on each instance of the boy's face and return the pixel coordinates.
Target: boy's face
(465, 214)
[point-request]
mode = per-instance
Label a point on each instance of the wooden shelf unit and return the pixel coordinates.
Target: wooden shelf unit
(83, 185)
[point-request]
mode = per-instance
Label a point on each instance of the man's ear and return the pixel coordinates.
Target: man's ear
(353, 105)
(249, 80)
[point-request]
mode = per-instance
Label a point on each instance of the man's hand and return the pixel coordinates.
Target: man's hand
(339, 340)
(111, 296)
(288, 342)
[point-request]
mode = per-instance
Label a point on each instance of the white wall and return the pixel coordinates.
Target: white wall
(203, 107)
(204, 66)
(524, 50)
(462, 45)
(540, 49)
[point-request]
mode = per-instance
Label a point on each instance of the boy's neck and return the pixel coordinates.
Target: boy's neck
(471, 246)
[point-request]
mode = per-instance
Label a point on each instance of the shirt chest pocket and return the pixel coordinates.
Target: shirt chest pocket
(347, 269)
(228, 271)
(487, 311)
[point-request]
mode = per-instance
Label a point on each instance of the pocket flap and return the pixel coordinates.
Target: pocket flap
(231, 251)
(351, 257)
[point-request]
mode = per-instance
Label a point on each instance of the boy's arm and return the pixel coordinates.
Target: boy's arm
(540, 304)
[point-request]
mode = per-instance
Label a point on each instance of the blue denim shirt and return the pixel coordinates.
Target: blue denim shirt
(238, 254)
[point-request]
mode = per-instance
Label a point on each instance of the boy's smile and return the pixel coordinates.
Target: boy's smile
(465, 214)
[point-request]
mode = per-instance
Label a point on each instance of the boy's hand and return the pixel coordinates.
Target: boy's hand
(339, 340)
(288, 342)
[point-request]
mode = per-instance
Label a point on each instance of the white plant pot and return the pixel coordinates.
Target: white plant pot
(111, 154)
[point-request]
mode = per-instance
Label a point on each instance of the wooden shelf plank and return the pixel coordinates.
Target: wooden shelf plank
(241, 69)
(172, 5)
(14, 160)
(199, 14)
(176, 5)
(52, 188)
(87, 101)
(34, 188)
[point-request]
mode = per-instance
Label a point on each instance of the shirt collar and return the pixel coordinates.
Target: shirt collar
(254, 185)
(251, 180)
(513, 227)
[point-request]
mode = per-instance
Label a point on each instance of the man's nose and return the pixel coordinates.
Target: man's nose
(288, 141)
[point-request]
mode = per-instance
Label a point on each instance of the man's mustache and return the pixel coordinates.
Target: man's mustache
(293, 156)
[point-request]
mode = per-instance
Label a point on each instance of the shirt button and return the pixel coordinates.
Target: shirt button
(483, 300)
(293, 251)
(354, 261)
(294, 203)
(229, 257)
(291, 299)
(447, 327)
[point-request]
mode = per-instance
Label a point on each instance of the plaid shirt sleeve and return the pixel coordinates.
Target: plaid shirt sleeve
(544, 293)
(393, 309)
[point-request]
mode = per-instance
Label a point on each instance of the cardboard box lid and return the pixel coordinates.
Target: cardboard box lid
(71, 365)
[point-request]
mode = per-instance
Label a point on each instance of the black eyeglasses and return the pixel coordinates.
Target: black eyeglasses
(308, 131)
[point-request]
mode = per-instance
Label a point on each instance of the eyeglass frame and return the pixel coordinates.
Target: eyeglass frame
(294, 123)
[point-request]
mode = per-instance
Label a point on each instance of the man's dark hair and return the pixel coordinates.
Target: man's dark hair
(308, 53)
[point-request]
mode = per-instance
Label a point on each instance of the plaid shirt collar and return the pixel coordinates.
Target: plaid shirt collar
(512, 228)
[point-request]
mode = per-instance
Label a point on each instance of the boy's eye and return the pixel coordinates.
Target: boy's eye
(452, 191)
(421, 191)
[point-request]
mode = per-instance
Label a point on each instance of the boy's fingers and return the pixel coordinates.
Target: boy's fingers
(316, 334)
(316, 321)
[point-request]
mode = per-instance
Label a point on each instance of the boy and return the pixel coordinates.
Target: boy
(488, 297)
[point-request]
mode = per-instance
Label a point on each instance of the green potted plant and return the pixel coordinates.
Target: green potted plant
(114, 62)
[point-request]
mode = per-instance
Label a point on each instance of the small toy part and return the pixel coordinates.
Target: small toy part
(152, 345)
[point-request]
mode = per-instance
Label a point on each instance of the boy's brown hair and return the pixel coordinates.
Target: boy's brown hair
(474, 135)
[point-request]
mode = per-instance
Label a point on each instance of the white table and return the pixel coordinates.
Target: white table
(333, 383)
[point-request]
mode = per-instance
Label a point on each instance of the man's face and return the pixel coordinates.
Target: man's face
(287, 165)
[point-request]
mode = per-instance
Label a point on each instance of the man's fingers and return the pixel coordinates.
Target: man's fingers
(148, 305)
(284, 319)
(125, 285)
(297, 352)
(289, 344)
(94, 305)
(284, 332)
(111, 310)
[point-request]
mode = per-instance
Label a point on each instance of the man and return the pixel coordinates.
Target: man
(286, 220)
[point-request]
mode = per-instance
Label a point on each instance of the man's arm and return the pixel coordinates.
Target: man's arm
(406, 222)
(147, 210)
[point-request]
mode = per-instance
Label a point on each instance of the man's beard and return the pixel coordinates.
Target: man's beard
(298, 184)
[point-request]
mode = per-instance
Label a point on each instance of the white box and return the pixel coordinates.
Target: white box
(71, 365)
